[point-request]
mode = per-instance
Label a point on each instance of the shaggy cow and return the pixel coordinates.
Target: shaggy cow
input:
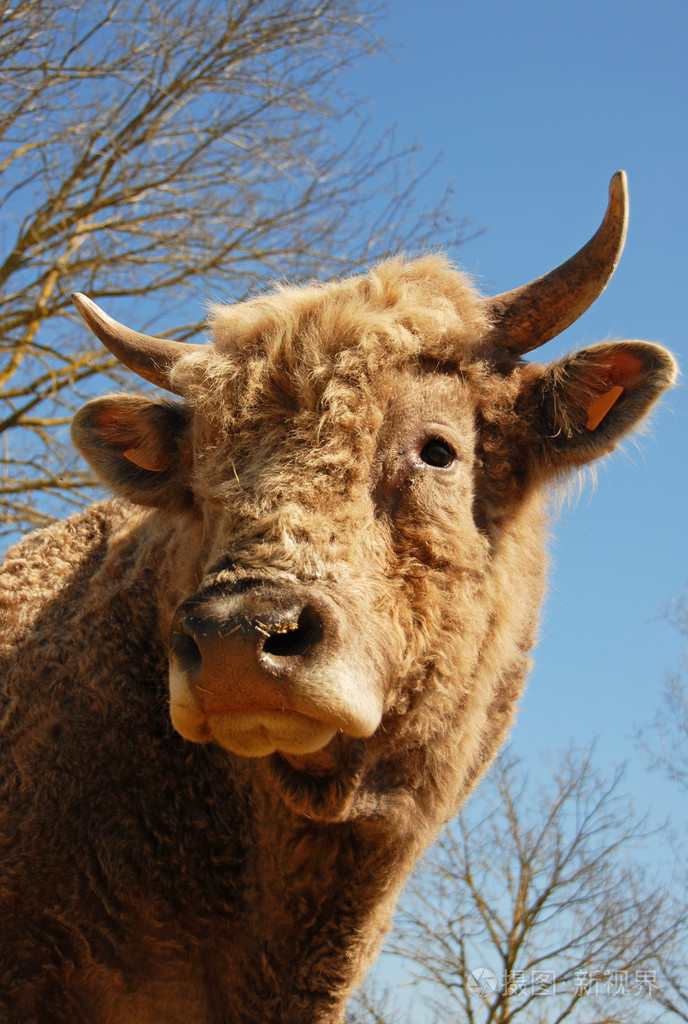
(241, 698)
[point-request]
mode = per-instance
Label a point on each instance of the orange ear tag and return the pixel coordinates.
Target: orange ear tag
(141, 458)
(598, 409)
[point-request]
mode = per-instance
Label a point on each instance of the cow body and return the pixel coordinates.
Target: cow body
(233, 719)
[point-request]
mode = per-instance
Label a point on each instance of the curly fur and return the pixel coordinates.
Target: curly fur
(147, 877)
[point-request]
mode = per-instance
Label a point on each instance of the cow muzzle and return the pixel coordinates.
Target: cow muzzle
(260, 668)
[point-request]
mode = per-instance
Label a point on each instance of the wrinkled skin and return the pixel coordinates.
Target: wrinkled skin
(233, 719)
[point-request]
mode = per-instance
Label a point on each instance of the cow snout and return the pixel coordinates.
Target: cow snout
(249, 648)
(258, 667)
(277, 640)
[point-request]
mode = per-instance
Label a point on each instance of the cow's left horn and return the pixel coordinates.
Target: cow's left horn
(527, 317)
(151, 358)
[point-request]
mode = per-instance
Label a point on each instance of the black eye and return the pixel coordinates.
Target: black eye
(438, 453)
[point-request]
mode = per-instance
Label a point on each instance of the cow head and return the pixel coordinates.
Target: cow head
(352, 478)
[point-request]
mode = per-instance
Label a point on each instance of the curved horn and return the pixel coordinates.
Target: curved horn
(151, 358)
(527, 317)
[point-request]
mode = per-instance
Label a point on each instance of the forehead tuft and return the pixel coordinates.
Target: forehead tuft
(400, 309)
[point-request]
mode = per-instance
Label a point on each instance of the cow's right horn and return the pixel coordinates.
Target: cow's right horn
(151, 358)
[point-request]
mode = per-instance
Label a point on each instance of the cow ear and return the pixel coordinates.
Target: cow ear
(138, 447)
(582, 405)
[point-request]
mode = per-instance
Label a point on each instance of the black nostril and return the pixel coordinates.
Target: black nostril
(290, 639)
(187, 653)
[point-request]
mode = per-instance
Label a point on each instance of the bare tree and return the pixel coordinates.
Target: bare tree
(665, 743)
(534, 907)
(169, 152)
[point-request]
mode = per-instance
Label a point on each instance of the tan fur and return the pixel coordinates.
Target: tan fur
(147, 877)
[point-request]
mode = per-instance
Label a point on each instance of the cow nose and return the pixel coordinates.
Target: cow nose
(278, 639)
(290, 636)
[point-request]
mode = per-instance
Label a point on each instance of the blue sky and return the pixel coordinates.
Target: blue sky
(533, 106)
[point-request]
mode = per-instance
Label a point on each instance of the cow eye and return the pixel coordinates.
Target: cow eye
(438, 453)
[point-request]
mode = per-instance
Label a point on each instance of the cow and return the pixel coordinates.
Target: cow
(241, 697)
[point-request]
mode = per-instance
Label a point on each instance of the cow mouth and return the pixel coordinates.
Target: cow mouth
(258, 732)
(249, 731)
